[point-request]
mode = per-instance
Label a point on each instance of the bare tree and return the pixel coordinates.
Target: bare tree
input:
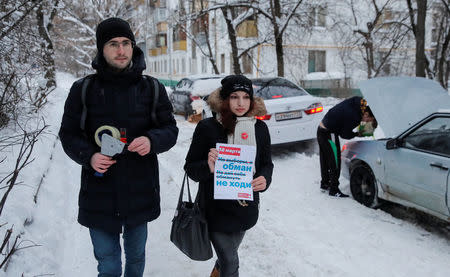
(417, 17)
(11, 246)
(27, 143)
(195, 25)
(440, 37)
(45, 15)
(378, 29)
(76, 25)
(437, 65)
(279, 13)
(26, 60)
(234, 13)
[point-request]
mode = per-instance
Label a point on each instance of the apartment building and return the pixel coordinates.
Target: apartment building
(331, 39)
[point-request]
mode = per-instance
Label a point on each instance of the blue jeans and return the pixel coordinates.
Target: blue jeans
(107, 251)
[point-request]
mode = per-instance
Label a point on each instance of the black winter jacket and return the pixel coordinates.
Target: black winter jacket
(344, 117)
(226, 215)
(129, 191)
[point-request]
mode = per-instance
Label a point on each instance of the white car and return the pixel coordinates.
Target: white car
(409, 164)
(292, 113)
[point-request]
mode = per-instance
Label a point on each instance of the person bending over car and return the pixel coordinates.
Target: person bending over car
(340, 121)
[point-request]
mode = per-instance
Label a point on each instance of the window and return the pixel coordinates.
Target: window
(194, 66)
(433, 136)
(161, 40)
(165, 65)
(435, 28)
(316, 61)
(318, 16)
(247, 66)
(183, 65)
(222, 63)
(162, 14)
(204, 63)
(380, 57)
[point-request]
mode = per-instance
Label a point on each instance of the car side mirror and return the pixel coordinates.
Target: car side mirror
(392, 144)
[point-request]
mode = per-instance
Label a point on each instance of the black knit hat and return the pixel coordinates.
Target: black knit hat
(112, 28)
(233, 83)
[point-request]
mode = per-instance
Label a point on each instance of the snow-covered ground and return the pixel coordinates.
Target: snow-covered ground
(301, 231)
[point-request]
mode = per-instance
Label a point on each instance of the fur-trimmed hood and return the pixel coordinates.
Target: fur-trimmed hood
(215, 102)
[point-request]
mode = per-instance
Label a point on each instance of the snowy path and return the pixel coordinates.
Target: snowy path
(301, 231)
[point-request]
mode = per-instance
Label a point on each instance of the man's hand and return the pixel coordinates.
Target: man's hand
(141, 145)
(101, 163)
(259, 183)
(212, 157)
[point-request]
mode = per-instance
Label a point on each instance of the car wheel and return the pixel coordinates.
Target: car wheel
(363, 186)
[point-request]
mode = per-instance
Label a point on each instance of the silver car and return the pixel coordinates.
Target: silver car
(410, 164)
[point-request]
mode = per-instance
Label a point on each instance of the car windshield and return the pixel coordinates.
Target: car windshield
(276, 88)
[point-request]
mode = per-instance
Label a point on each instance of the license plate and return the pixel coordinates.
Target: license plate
(288, 115)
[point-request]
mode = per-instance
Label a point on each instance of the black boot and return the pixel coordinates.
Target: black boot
(335, 192)
(324, 187)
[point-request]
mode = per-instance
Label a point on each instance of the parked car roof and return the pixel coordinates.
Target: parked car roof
(204, 76)
(400, 102)
(200, 85)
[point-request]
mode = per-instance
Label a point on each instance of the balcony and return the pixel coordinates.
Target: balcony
(153, 52)
(161, 50)
(247, 29)
(161, 27)
(179, 45)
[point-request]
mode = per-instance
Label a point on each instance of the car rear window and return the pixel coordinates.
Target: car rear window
(277, 88)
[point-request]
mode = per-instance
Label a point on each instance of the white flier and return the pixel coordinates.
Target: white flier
(233, 172)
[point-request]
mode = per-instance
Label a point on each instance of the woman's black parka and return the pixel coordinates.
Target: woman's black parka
(226, 215)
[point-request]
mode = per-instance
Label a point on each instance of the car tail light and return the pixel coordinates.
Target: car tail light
(314, 108)
(264, 117)
(277, 96)
(344, 147)
(194, 97)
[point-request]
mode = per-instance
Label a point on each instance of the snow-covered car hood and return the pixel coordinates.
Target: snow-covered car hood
(399, 102)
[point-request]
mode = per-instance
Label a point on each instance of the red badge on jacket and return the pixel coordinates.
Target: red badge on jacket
(244, 136)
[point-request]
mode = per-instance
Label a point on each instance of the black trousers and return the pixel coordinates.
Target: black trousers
(330, 158)
(226, 246)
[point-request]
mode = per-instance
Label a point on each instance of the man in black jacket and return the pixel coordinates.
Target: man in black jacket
(126, 194)
(340, 121)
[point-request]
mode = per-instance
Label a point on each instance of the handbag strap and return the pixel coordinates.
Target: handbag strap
(185, 180)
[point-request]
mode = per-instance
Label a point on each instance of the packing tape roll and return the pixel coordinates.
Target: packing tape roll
(105, 129)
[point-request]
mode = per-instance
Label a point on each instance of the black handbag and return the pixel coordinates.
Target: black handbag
(189, 228)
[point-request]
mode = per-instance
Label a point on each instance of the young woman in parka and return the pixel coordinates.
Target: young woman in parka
(235, 123)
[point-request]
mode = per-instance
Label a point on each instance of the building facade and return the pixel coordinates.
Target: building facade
(327, 40)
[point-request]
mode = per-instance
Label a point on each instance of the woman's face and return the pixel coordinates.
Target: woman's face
(239, 103)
